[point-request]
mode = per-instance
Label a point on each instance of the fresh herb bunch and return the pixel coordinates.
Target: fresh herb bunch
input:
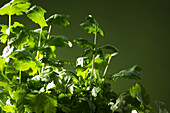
(32, 80)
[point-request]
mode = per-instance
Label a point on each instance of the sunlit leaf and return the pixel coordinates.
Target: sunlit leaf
(24, 65)
(58, 19)
(15, 7)
(36, 14)
(3, 28)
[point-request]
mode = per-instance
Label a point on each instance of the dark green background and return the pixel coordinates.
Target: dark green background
(138, 28)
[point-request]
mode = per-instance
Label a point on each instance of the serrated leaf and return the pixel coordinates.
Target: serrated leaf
(91, 26)
(161, 106)
(36, 14)
(140, 94)
(83, 43)
(3, 28)
(58, 19)
(4, 38)
(15, 7)
(132, 73)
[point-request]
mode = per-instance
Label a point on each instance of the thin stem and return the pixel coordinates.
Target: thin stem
(9, 29)
(5, 77)
(20, 77)
(49, 31)
(108, 62)
(39, 43)
(95, 38)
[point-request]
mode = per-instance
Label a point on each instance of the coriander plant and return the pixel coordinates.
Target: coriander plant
(32, 80)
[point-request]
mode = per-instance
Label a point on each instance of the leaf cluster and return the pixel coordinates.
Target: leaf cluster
(32, 80)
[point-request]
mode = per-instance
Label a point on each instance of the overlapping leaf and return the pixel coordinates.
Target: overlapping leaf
(3, 36)
(15, 7)
(36, 14)
(58, 19)
(58, 41)
(83, 43)
(91, 26)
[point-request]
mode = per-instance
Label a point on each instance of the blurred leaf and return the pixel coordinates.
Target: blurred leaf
(132, 73)
(161, 106)
(91, 26)
(2, 64)
(83, 43)
(15, 7)
(58, 19)
(36, 14)
(9, 108)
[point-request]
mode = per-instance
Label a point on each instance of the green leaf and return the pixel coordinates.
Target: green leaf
(9, 108)
(83, 43)
(91, 26)
(4, 38)
(3, 28)
(21, 39)
(36, 14)
(58, 41)
(140, 94)
(15, 7)
(109, 49)
(24, 65)
(132, 73)
(41, 103)
(58, 19)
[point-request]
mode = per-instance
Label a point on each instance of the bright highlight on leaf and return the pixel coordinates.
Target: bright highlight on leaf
(36, 14)
(15, 7)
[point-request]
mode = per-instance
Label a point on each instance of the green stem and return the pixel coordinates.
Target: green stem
(108, 62)
(9, 28)
(49, 31)
(5, 77)
(94, 49)
(39, 43)
(20, 77)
